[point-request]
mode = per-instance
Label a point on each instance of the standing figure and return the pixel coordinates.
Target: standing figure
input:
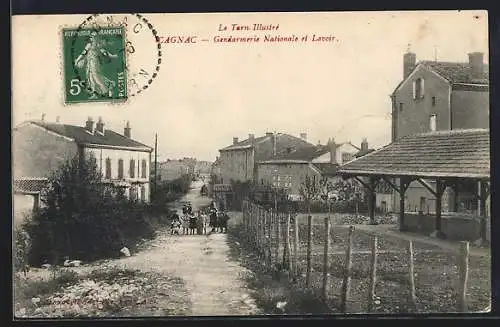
(192, 223)
(91, 61)
(213, 220)
(185, 224)
(223, 222)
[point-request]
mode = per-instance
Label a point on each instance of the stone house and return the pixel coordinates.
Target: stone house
(440, 96)
(40, 147)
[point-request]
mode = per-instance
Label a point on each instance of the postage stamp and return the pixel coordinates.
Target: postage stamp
(94, 64)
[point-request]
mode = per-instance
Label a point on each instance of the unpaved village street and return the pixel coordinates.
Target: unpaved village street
(212, 280)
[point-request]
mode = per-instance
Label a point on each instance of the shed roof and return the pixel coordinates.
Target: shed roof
(455, 153)
(29, 185)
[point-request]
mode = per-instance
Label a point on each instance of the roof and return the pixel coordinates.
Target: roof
(455, 153)
(457, 72)
(82, 136)
(29, 185)
(363, 152)
(305, 153)
(248, 143)
(326, 168)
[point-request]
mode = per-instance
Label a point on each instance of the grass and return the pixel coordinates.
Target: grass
(68, 294)
(436, 272)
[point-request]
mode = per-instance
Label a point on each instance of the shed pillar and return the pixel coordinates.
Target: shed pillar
(372, 200)
(483, 195)
(440, 187)
(402, 191)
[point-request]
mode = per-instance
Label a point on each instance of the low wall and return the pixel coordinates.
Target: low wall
(456, 227)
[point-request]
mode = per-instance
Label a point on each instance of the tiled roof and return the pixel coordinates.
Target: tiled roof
(457, 72)
(455, 153)
(305, 153)
(29, 185)
(363, 152)
(327, 168)
(80, 135)
(244, 143)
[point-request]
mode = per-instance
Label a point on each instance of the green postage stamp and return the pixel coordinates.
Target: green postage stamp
(94, 64)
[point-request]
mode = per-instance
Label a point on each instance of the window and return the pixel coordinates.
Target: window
(143, 168)
(418, 88)
(433, 122)
(401, 106)
(108, 168)
(433, 101)
(132, 168)
(120, 168)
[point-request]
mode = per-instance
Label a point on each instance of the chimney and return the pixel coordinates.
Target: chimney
(409, 63)
(251, 137)
(99, 127)
(89, 125)
(332, 147)
(269, 134)
(235, 140)
(126, 130)
(43, 117)
(476, 62)
(303, 136)
(57, 119)
(364, 145)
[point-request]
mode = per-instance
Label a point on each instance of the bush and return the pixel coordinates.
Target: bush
(83, 219)
(22, 248)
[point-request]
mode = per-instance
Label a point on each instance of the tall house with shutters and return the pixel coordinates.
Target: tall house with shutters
(439, 96)
(40, 147)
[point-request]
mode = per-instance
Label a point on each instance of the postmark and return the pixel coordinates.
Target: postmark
(110, 58)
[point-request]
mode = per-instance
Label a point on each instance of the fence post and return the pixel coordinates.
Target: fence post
(413, 295)
(263, 234)
(278, 238)
(373, 273)
(309, 251)
(288, 246)
(296, 246)
(346, 284)
(463, 266)
(325, 258)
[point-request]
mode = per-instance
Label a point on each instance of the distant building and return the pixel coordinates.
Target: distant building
(440, 96)
(41, 147)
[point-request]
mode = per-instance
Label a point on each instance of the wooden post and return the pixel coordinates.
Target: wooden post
(287, 246)
(411, 276)
(269, 238)
(372, 201)
(325, 258)
(440, 187)
(278, 236)
(309, 251)
(463, 266)
(296, 246)
(482, 210)
(373, 274)
(346, 284)
(402, 191)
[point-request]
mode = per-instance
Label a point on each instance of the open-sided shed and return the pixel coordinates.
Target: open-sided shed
(446, 157)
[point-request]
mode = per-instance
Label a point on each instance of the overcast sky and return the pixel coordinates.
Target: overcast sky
(208, 92)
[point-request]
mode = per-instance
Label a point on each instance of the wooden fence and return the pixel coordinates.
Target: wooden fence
(279, 240)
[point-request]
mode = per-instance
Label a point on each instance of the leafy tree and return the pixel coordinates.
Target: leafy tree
(310, 190)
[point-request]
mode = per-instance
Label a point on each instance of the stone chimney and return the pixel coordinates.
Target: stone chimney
(235, 140)
(364, 145)
(303, 136)
(332, 147)
(476, 62)
(43, 117)
(409, 63)
(89, 125)
(99, 127)
(251, 137)
(269, 134)
(126, 130)
(58, 119)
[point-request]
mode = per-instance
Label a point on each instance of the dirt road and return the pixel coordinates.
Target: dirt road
(213, 281)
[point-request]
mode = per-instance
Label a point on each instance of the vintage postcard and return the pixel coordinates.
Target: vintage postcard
(223, 164)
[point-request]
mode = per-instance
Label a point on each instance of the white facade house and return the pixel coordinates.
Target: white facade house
(344, 152)
(41, 147)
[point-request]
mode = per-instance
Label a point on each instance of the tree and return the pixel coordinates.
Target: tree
(83, 218)
(310, 190)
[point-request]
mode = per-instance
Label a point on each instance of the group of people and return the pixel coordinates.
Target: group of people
(191, 224)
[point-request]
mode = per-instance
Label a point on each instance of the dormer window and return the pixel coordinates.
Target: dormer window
(418, 88)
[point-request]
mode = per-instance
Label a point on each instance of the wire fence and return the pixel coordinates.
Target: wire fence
(357, 271)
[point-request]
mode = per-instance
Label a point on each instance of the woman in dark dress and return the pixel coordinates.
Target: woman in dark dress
(192, 224)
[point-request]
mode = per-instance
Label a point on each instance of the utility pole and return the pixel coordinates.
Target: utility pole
(156, 162)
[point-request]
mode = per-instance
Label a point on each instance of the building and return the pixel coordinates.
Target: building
(440, 96)
(238, 161)
(41, 147)
(173, 168)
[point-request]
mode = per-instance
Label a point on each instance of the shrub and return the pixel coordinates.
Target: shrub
(82, 218)
(22, 247)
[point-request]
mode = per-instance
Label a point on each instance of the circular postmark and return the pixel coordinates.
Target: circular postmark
(110, 57)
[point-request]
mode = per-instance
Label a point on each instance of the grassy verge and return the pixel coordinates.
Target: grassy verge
(269, 289)
(105, 292)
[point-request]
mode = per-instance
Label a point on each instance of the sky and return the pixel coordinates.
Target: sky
(206, 93)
